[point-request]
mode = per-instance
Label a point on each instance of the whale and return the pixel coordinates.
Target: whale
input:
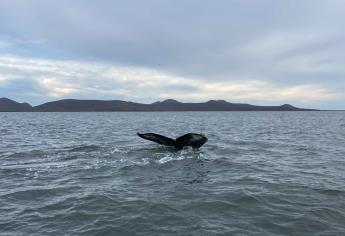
(187, 140)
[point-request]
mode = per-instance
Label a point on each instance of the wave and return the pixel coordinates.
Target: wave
(85, 148)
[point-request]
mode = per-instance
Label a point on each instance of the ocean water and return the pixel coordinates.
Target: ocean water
(260, 173)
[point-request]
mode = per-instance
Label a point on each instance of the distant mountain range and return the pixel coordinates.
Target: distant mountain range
(75, 105)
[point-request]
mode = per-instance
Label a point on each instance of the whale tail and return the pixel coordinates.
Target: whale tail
(190, 139)
(158, 139)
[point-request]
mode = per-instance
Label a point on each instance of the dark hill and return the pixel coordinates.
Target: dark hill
(89, 105)
(217, 105)
(10, 105)
(74, 105)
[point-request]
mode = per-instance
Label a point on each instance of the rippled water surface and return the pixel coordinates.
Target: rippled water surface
(260, 173)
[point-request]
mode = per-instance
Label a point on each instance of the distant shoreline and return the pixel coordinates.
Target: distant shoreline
(160, 111)
(169, 105)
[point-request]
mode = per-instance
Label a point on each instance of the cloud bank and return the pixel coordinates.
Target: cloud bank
(56, 79)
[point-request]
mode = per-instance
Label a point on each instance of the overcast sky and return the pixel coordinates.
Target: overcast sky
(263, 52)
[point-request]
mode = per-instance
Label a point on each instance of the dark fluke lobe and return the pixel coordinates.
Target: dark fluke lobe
(190, 139)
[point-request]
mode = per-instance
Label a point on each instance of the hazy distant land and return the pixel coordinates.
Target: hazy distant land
(75, 105)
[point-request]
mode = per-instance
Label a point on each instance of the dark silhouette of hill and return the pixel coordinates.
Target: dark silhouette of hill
(10, 105)
(75, 105)
(89, 105)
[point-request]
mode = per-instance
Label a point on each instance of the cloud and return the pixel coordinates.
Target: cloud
(196, 38)
(54, 79)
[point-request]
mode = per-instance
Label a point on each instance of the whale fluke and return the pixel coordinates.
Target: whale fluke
(158, 139)
(190, 139)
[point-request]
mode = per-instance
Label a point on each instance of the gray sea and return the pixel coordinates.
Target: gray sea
(260, 173)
